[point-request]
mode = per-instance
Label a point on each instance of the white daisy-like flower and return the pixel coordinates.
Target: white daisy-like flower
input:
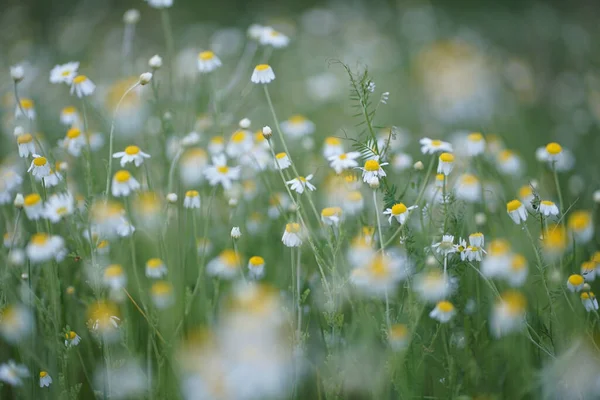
(64, 73)
(53, 179)
(26, 145)
(155, 268)
(300, 183)
(131, 154)
(588, 271)
(353, 202)
(82, 86)
(401, 162)
(263, 73)
(192, 199)
(509, 163)
(297, 126)
(226, 265)
(468, 188)
(332, 147)
(561, 160)
(26, 109)
(429, 146)
(159, 3)
(588, 299)
(475, 144)
(161, 293)
(13, 373)
(271, 37)
(43, 247)
(45, 379)
(548, 208)
(372, 169)
(508, 314)
(517, 272)
(59, 206)
(516, 211)
(208, 62)
(575, 283)
(343, 161)
(74, 141)
(114, 277)
(434, 286)
(282, 161)
(240, 144)
(292, 236)
(331, 216)
(445, 164)
(70, 117)
(400, 212)
(256, 267)
(72, 339)
(216, 145)
(33, 206)
(445, 246)
(40, 167)
(220, 173)
(581, 226)
(443, 312)
(123, 184)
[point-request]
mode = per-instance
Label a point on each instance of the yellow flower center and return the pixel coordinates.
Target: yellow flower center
(297, 119)
(355, 196)
(343, 156)
(372, 165)
(73, 133)
(332, 141)
(293, 227)
(161, 288)
(40, 161)
(475, 137)
(61, 211)
(113, 271)
(499, 247)
(66, 72)
(398, 209)
(469, 179)
(331, 211)
(525, 191)
(25, 138)
(379, 267)
(69, 110)
(398, 331)
(547, 202)
(132, 150)
(514, 301)
(556, 238)
(518, 262)
(588, 266)
(553, 148)
(206, 55)
(506, 155)
(587, 295)
(26, 104)
(256, 261)
(447, 157)
(79, 79)
(280, 155)
(43, 374)
(579, 220)
(513, 205)
(223, 169)
(122, 176)
(70, 335)
(154, 263)
(436, 143)
(191, 193)
(262, 67)
(576, 280)
(39, 239)
(238, 137)
(445, 306)
(103, 244)
(230, 258)
(32, 199)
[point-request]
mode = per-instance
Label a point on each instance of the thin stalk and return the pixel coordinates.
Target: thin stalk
(168, 32)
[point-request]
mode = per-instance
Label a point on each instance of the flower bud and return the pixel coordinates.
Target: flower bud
(19, 200)
(18, 131)
(597, 197)
(480, 219)
(244, 123)
(131, 16)
(172, 198)
(267, 132)
(17, 73)
(374, 182)
(145, 78)
(155, 62)
(235, 232)
(418, 166)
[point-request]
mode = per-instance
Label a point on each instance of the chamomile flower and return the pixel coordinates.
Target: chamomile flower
(575, 283)
(589, 301)
(256, 267)
(271, 37)
(82, 86)
(477, 239)
(443, 312)
(45, 379)
(74, 141)
(301, 183)
(497, 259)
(429, 146)
(468, 188)
(123, 184)
(40, 167)
(159, 3)
(216, 145)
(445, 246)
(508, 314)
(516, 211)
(475, 144)
(162, 294)
(70, 117)
(292, 235)
(16, 323)
(26, 145)
(516, 275)
(401, 162)
(13, 373)
(220, 173)
(398, 337)
(581, 226)
(380, 273)
(555, 242)
(263, 73)
(399, 212)
(226, 265)
(25, 109)
(297, 126)
(33, 206)
(114, 277)
(553, 151)
(282, 161)
(59, 206)
(332, 147)
(240, 143)
(64, 73)
(208, 62)
(331, 216)
(509, 163)
(53, 179)
(526, 196)
(155, 268)
(353, 202)
(103, 320)
(445, 163)
(588, 271)
(131, 154)
(191, 166)
(72, 339)
(548, 208)
(343, 161)
(192, 199)
(372, 170)
(434, 286)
